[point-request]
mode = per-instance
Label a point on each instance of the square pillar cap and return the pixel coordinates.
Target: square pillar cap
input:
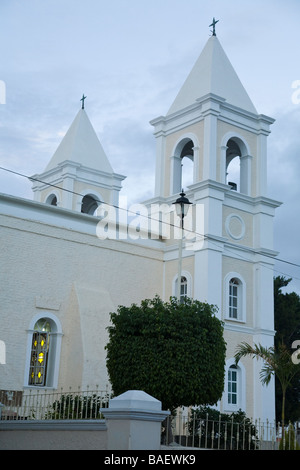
(135, 399)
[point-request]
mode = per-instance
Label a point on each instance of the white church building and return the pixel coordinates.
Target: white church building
(69, 257)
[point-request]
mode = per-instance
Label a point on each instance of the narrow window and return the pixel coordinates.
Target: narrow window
(233, 298)
(183, 165)
(39, 353)
(183, 289)
(232, 385)
(43, 352)
(233, 154)
(187, 164)
(238, 166)
(233, 174)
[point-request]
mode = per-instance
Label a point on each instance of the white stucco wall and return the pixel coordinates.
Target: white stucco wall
(56, 264)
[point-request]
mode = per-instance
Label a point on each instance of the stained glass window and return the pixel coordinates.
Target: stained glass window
(39, 353)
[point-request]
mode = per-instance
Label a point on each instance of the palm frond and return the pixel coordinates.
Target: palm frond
(275, 361)
(257, 351)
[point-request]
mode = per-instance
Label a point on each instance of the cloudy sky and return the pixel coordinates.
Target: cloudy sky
(130, 58)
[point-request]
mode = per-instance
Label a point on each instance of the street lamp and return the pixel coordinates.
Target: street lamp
(182, 206)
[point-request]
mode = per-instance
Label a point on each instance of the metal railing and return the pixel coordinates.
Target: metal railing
(39, 404)
(226, 434)
(186, 429)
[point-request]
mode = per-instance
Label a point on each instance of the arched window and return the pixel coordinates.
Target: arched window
(234, 396)
(232, 385)
(233, 154)
(185, 286)
(182, 171)
(234, 297)
(89, 204)
(187, 164)
(39, 352)
(43, 352)
(52, 200)
(238, 165)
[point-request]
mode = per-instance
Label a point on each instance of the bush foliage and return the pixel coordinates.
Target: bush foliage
(221, 430)
(77, 407)
(175, 352)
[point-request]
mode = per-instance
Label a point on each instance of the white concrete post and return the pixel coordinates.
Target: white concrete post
(134, 421)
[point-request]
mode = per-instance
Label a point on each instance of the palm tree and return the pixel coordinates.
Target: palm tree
(276, 362)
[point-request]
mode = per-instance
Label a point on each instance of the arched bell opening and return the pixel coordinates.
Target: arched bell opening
(89, 204)
(238, 166)
(183, 165)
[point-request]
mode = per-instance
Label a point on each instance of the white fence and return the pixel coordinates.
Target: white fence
(38, 404)
(190, 430)
(224, 433)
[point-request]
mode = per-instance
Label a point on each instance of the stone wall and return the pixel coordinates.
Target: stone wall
(53, 435)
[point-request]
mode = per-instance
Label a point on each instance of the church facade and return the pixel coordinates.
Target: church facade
(72, 255)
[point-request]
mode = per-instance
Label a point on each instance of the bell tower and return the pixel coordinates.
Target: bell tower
(212, 121)
(214, 139)
(79, 176)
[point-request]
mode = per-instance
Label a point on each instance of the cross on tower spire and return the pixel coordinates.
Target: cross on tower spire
(214, 26)
(82, 99)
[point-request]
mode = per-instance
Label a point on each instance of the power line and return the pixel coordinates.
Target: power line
(96, 200)
(205, 237)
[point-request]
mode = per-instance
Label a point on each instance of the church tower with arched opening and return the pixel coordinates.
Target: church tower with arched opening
(79, 175)
(213, 143)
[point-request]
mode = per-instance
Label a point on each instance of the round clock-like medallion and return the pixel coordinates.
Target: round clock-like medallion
(235, 226)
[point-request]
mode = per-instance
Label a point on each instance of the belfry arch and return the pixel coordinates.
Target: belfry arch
(88, 202)
(183, 164)
(236, 164)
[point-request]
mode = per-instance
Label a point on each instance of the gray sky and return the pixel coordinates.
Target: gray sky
(130, 57)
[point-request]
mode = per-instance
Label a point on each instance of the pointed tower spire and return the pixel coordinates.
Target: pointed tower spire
(213, 73)
(79, 170)
(81, 145)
